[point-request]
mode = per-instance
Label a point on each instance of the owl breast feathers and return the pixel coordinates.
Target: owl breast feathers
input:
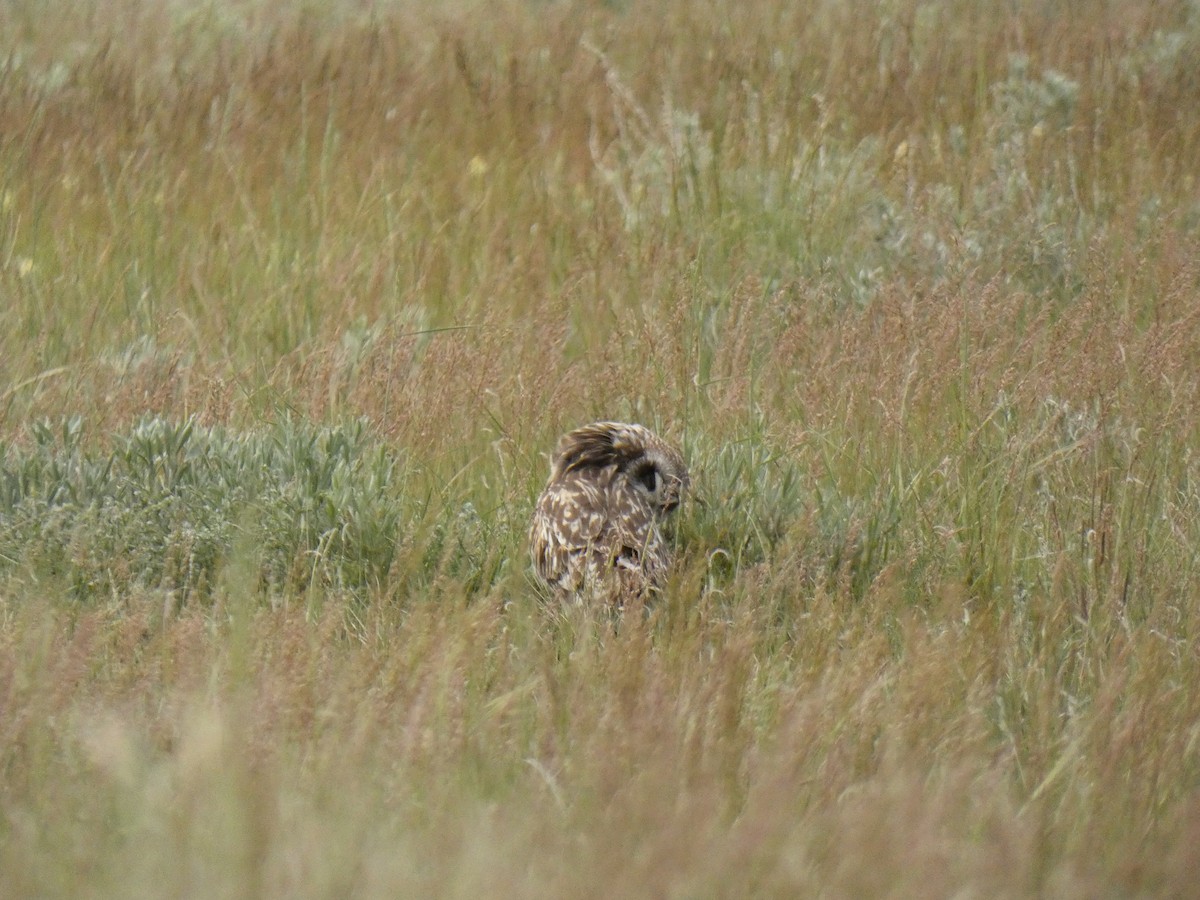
(595, 535)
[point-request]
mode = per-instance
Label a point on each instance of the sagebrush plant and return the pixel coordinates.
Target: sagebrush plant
(298, 298)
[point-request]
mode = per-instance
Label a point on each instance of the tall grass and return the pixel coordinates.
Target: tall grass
(296, 299)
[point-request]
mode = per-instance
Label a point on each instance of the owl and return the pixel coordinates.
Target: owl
(596, 532)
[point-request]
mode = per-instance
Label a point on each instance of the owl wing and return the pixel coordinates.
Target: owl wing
(568, 524)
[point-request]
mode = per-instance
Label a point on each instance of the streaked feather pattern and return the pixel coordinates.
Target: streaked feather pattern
(595, 535)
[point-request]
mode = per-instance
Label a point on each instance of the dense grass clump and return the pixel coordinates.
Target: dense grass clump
(169, 504)
(297, 298)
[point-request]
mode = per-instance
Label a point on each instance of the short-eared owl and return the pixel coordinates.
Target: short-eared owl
(595, 534)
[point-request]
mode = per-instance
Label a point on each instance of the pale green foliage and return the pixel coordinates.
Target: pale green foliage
(164, 507)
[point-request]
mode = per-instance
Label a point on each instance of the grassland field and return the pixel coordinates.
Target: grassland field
(295, 299)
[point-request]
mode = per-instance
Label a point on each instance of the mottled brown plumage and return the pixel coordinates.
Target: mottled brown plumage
(595, 535)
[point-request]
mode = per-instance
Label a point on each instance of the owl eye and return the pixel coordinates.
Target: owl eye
(649, 478)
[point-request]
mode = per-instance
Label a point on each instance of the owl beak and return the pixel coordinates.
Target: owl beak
(674, 494)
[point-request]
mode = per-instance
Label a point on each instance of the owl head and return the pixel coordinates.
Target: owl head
(649, 465)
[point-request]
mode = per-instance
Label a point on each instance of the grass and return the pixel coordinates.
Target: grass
(297, 299)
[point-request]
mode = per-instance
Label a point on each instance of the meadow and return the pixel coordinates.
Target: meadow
(295, 300)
